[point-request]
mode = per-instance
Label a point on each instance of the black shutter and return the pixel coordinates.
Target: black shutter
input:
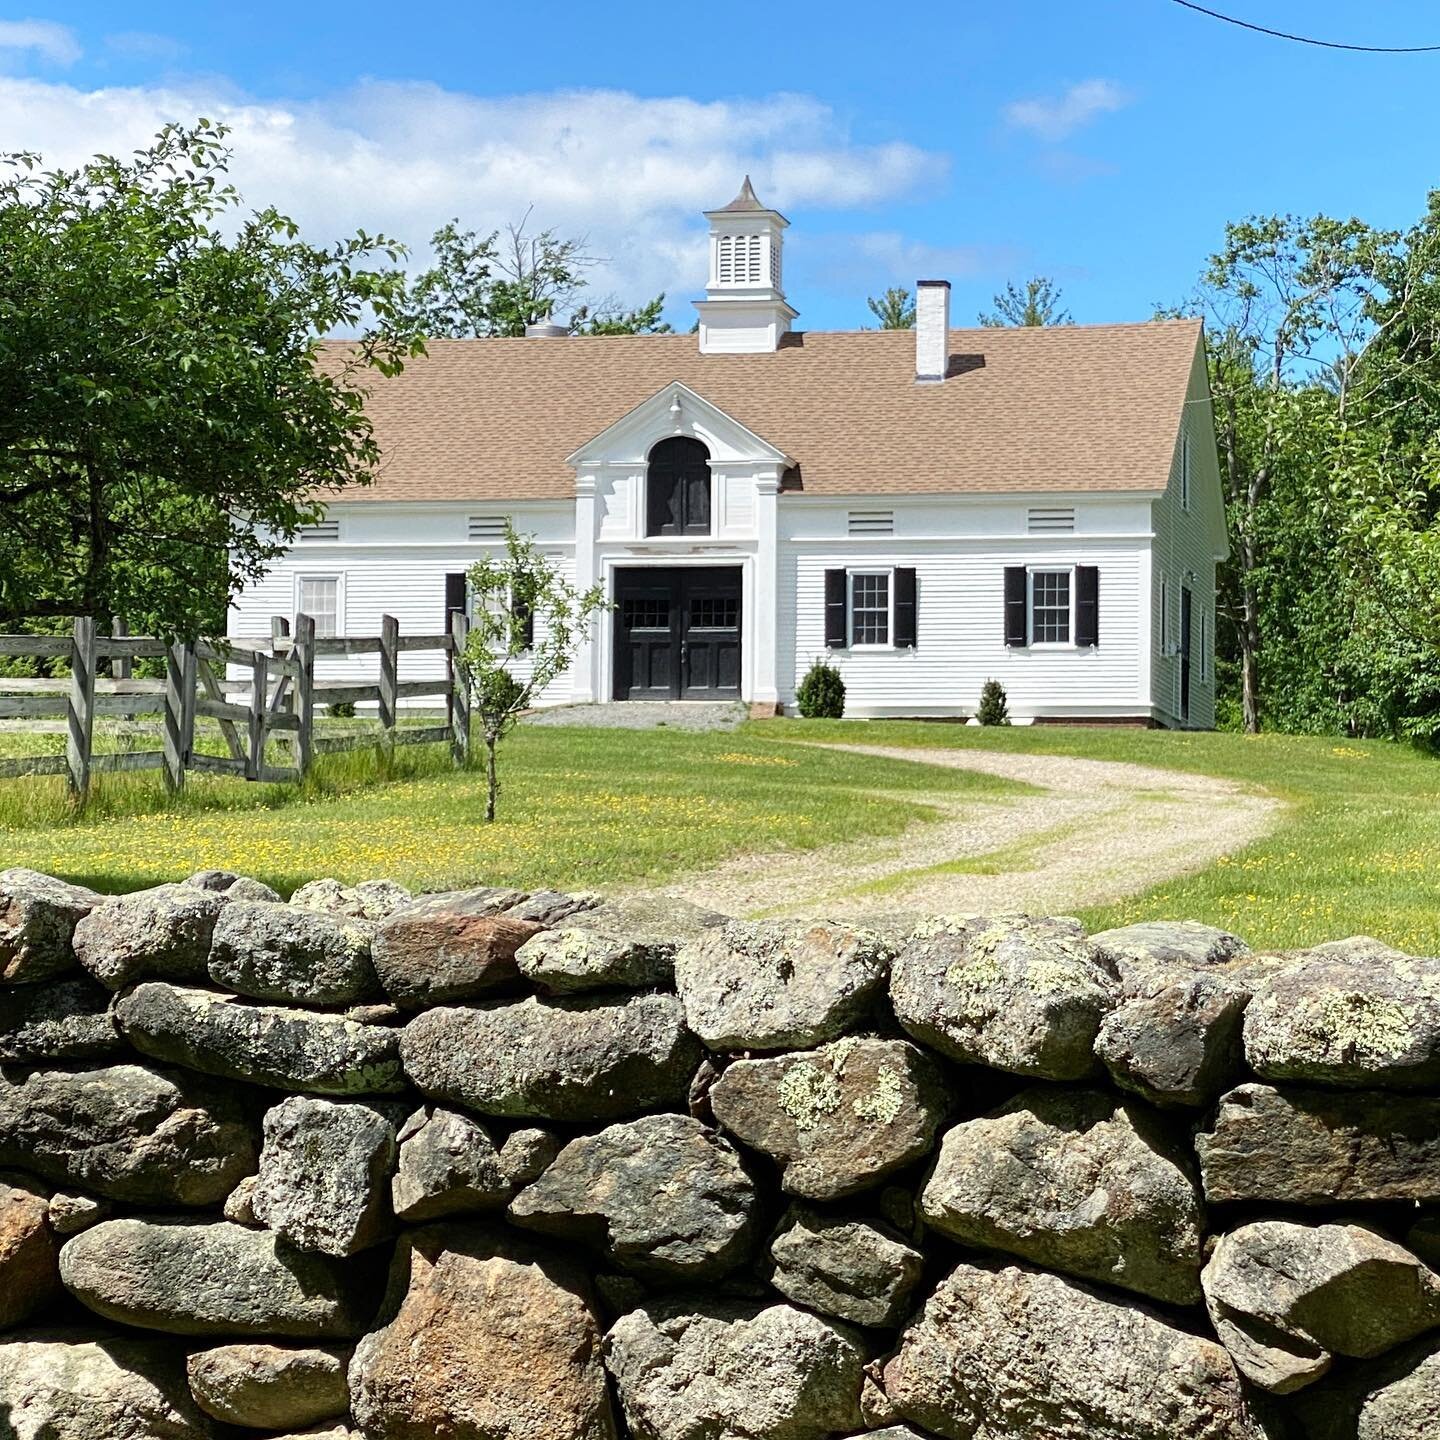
(905, 616)
(454, 596)
(835, 626)
(1087, 605)
(1016, 605)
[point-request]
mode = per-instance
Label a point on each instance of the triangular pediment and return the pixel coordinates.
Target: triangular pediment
(676, 409)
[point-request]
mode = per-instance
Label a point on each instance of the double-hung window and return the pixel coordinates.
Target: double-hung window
(870, 607)
(319, 597)
(1050, 593)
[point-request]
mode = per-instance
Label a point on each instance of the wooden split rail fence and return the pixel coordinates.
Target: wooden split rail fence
(257, 693)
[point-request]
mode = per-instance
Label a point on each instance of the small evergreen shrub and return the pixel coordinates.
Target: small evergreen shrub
(821, 695)
(341, 710)
(994, 707)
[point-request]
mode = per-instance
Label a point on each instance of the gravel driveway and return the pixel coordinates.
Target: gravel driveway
(1101, 831)
(646, 715)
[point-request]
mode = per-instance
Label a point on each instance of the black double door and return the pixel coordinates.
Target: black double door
(677, 634)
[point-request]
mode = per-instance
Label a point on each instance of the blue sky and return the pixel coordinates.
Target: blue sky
(1102, 142)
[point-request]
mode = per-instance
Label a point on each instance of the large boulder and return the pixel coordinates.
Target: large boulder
(263, 1044)
(1170, 946)
(164, 932)
(855, 1270)
(1345, 1019)
(1076, 1181)
(148, 1136)
(837, 1119)
(369, 900)
(583, 1059)
(1285, 1298)
(269, 1387)
(66, 1019)
(1011, 992)
(1309, 1146)
(447, 948)
(38, 915)
(211, 1277)
(626, 943)
(449, 1165)
(778, 985)
(692, 1370)
(324, 1181)
(1005, 1353)
(484, 1337)
(29, 1256)
(82, 1384)
(280, 952)
(662, 1196)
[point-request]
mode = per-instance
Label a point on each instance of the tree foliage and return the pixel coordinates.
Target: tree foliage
(498, 283)
(1038, 303)
(161, 408)
(895, 309)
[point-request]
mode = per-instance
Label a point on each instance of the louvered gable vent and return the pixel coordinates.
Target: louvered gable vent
(1051, 519)
(487, 527)
(872, 522)
(321, 530)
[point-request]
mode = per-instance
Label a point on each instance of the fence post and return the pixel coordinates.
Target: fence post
(120, 664)
(176, 706)
(259, 703)
(80, 708)
(459, 690)
(389, 672)
(303, 653)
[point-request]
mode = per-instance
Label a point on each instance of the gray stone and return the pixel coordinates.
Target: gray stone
(262, 1044)
(82, 1384)
(29, 1256)
(369, 900)
(855, 1270)
(1006, 1353)
(525, 1154)
(551, 907)
(583, 1059)
(324, 1181)
(129, 1132)
(703, 1370)
(1075, 1181)
(778, 984)
(1405, 1407)
(483, 1336)
(837, 1119)
(217, 880)
(1356, 1021)
(64, 1019)
(1286, 1298)
(211, 1277)
(1308, 1146)
(163, 932)
(278, 952)
(234, 888)
(663, 1196)
(1011, 992)
(239, 1204)
(1183, 945)
(38, 915)
(446, 948)
(70, 1213)
(269, 1387)
(448, 1166)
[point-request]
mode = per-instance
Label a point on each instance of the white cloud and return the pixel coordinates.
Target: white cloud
(631, 172)
(145, 45)
(1054, 117)
(871, 260)
(44, 37)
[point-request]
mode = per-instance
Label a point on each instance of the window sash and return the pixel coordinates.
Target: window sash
(1052, 598)
(319, 597)
(871, 594)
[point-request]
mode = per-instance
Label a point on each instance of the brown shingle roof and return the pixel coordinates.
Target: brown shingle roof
(1067, 408)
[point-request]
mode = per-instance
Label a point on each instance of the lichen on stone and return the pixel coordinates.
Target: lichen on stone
(807, 1092)
(884, 1101)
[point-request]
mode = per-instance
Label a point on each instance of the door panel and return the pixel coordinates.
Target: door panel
(647, 651)
(711, 642)
(677, 634)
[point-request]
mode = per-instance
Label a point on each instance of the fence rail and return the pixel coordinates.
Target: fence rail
(271, 700)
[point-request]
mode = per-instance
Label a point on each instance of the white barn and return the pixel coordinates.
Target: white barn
(927, 509)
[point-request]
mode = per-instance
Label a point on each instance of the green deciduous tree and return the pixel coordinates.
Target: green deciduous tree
(498, 283)
(1038, 303)
(527, 624)
(895, 309)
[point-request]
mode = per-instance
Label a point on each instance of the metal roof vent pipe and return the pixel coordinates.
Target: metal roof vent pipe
(932, 330)
(545, 330)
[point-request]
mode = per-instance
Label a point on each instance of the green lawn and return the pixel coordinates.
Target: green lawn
(580, 809)
(1357, 852)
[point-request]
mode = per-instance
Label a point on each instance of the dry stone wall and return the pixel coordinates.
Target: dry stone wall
(500, 1165)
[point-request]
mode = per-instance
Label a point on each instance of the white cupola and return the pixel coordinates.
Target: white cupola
(744, 310)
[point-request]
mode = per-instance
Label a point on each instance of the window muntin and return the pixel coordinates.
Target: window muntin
(646, 612)
(1050, 596)
(319, 597)
(714, 612)
(870, 608)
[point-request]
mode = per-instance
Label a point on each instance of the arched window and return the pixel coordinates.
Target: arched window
(678, 488)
